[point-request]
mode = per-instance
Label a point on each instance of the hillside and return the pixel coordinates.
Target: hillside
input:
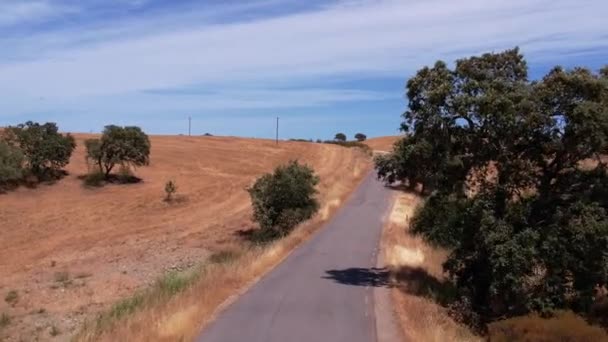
(69, 250)
(382, 143)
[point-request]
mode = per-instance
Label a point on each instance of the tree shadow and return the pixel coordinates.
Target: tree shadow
(31, 181)
(356, 276)
(416, 281)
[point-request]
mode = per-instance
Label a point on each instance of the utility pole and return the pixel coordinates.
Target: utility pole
(277, 138)
(189, 126)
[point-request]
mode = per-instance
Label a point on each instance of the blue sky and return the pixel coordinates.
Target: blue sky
(233, 66)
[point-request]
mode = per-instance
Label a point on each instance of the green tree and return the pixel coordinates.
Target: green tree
(46, 151)
(126, 146)
(360, 137)
(340, 137)
(283, 199)
(11, 163)
(519, 186)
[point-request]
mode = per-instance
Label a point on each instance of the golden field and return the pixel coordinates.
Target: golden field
(69, 251)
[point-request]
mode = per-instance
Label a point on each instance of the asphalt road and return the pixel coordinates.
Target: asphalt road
(323, 290)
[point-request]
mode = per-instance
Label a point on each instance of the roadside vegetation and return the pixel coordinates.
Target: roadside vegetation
(516, 190)
(283, 199)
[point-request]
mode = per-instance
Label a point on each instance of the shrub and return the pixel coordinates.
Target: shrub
(564, 326)
(46, 151)
(283, 199)
(5, 320)
(360, 137)
(128, 146)
(170, 189)
(11, 164)
(12, 297)
(340, 137)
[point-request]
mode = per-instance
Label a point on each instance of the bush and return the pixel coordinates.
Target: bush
(283, 199)
(11, 164)
(340, 137)
(564, 326)
(360, 137)
(46, 151)
(170, 189)
(127, 146)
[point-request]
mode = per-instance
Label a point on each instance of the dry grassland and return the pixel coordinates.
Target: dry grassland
(416, 270)
(69, 251)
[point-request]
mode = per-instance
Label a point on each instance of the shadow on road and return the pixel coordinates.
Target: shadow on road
(375, 277)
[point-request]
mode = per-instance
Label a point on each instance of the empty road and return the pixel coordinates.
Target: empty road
(323, 290)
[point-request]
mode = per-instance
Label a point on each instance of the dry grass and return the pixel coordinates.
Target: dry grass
(418, 277)
(564, 326)
(125, 236)
(382, 143)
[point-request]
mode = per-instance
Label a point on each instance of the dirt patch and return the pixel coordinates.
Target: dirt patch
(70, 251)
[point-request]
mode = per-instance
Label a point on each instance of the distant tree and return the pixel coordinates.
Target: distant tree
(519, 187)
(360, 137)
(340, 137)
(46, 151)
(126, 146)
(11, 163)
(283, 199)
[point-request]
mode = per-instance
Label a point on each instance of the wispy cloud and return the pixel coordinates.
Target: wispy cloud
(352, 39)
(14, 12)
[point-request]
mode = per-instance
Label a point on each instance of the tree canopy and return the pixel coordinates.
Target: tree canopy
(127, 146)
(46, 150)
(340, 137)
(517, 176)
(360, 137)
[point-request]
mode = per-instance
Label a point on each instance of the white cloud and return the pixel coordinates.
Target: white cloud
(357, 38)
(22, 11)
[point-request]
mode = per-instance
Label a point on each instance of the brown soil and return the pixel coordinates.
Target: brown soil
(69, 250)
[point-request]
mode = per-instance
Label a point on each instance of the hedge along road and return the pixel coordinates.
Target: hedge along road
(324, 290)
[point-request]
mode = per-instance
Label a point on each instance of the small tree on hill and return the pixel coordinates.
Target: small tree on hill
(340, 137)
(127, 146)
(360, 137)
(283, 199)
(46, 151)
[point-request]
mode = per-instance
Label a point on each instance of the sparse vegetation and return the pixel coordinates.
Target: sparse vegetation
(126, 146)
(223, 256)
(5, 320)
(563, 326)
(63, 278)
(170, 190)
(360, 137)
(513, 194)
(283, 199)
(340, 137)
(12, 297)
(54, 331)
